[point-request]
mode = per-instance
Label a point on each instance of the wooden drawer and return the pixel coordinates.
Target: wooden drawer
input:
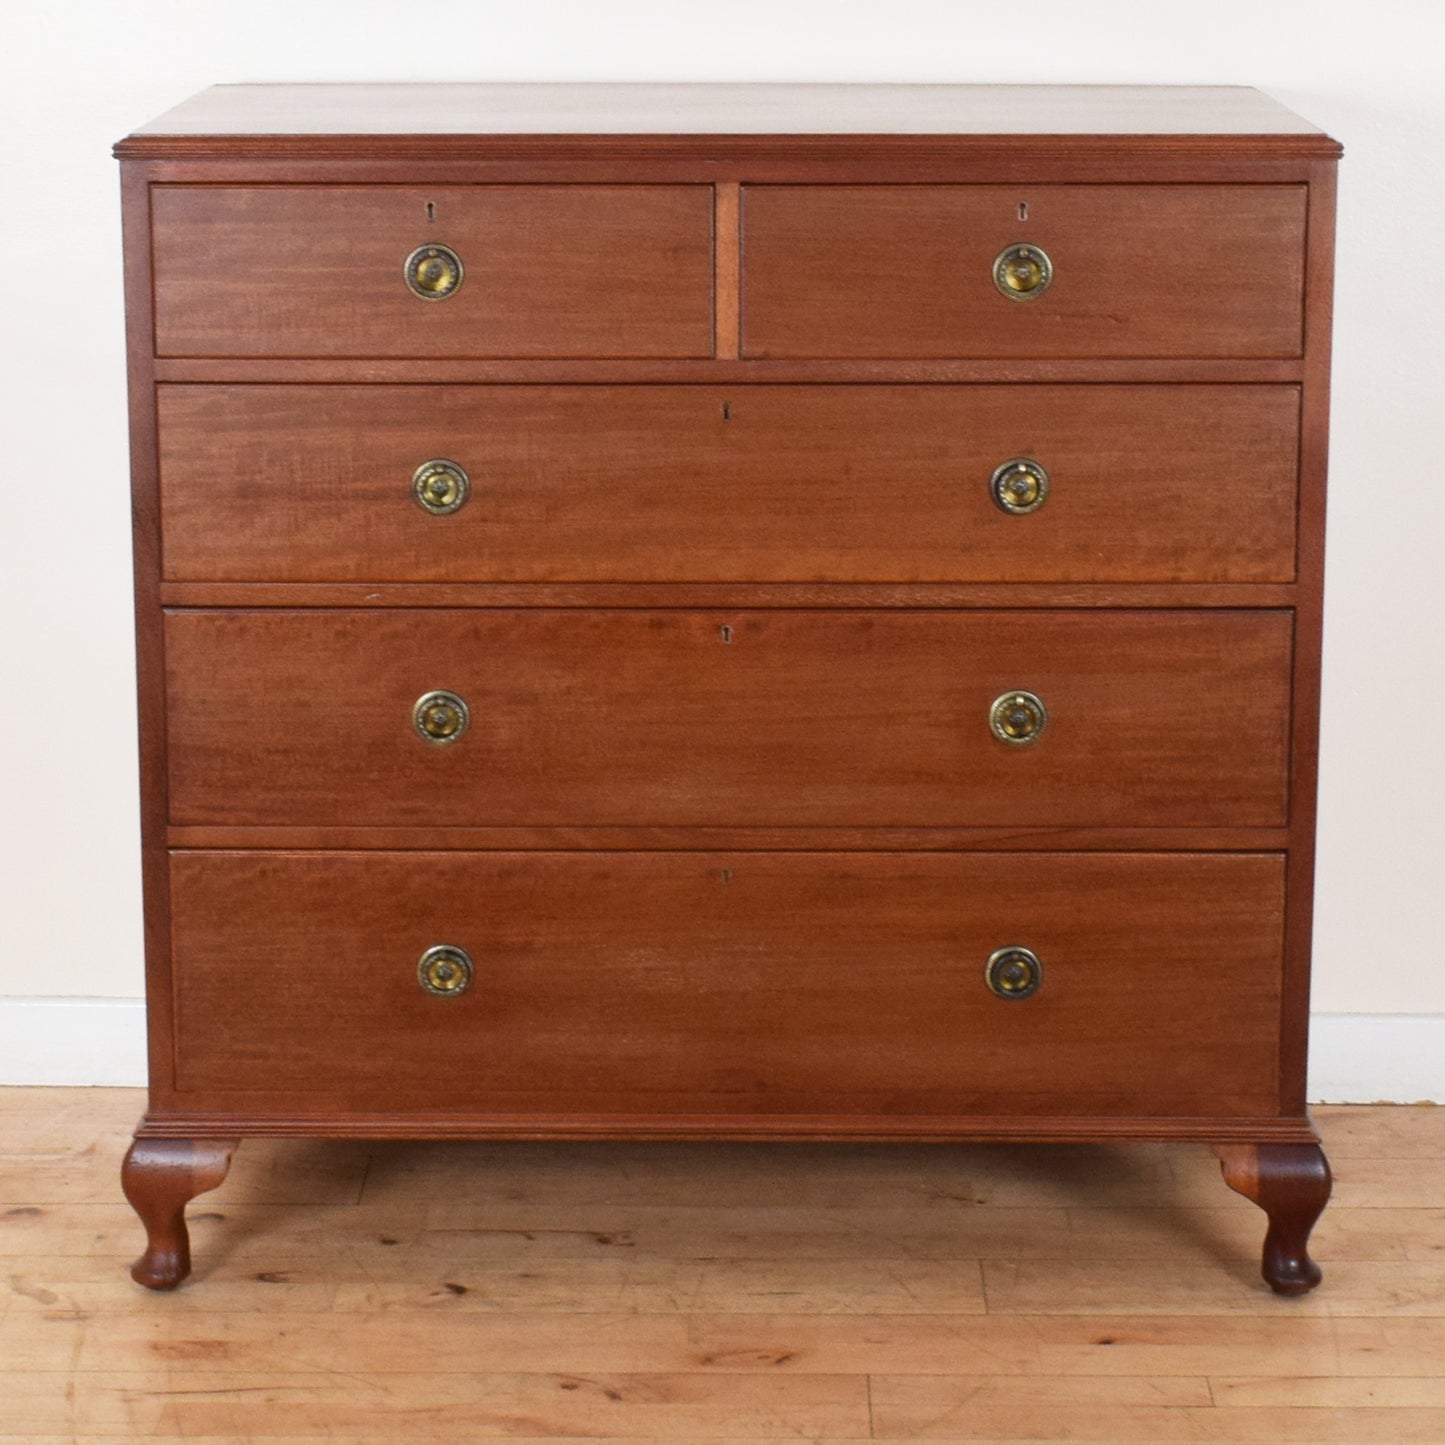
(672, 717)
(702, 483)
(610, 271)
(1138, 271)
(752, 983)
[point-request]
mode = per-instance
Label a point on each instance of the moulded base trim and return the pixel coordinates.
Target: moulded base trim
(739, 1128)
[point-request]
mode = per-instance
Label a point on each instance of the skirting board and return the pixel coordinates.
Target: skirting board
(1377, 1059)
(77, 1041)
(1355, 1058)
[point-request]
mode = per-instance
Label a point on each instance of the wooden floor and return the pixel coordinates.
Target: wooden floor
(661, 1293)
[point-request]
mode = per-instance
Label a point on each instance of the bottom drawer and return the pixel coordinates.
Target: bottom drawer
(660, 984)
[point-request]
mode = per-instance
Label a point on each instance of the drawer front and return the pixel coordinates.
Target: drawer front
(635, 717)
(747, 484)
(1138, 271)
(649, 984)
(547, 271)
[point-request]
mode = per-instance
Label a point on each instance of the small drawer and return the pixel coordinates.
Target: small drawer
(650, 984)
(544, 271)
(744, 484)
(1112, 271)
(690, 718)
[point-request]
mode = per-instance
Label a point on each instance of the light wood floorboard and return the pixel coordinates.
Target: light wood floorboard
(645, 1295)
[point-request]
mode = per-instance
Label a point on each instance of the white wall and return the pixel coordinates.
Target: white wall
(75, 77)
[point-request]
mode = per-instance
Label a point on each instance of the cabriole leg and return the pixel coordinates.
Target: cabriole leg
(1291, 1183)
(160, 1177)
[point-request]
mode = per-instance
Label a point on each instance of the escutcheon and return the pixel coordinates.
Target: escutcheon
(1022, 272)
(434, 272)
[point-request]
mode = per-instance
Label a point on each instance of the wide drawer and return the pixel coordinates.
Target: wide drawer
(699, 483)
(1138, 271)
(767, 983)
(573, 270)
(673, 717)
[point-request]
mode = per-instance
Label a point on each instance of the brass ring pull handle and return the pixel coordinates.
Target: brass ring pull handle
(1013, 972)
(440, 487)
(440, 717)
(1019, 486)
(445, 971)
(1018, 718)
(434, 272)
(1022, 272)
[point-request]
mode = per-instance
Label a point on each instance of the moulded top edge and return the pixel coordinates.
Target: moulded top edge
(715, 149)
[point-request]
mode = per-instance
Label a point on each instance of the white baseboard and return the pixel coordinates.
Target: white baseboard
(1377, 1058)
(1354, 1058)
(77, 1041)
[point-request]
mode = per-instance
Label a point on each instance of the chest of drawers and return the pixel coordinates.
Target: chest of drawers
(728, 612)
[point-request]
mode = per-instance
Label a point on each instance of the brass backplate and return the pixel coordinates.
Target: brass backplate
(440, 486)
(1022, 272)
(1013, 972)
(434, 272)
(445, 970)
(1018, 718)
(1019, 486)
(440, 717)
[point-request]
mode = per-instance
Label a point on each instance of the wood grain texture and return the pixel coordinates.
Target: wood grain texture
(146, 564)
(1291, 1183)
(160, 1177)
(731, 1262)
(549, 270)
(1139, 271)
(646, 691)
(890, 595)
(330, 837)
(1309, 628)
(428, 370)
(730, 983)
(712, 719)
(269, 113)
(727, 270)
(274, 1114)
(785, 160)
(747, 484)
(553, 1233)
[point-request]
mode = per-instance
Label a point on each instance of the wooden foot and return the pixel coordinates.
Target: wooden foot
(1291, 1183)
(160, 1177)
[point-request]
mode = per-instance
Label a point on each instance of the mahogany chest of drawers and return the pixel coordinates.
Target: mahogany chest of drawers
(730, 612)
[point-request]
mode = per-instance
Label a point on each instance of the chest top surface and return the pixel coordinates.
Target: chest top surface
(245, 118)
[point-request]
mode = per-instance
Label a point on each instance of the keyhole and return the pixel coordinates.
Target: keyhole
(726, 633)
(431, 210)
(1023, 210)
(727, 410)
